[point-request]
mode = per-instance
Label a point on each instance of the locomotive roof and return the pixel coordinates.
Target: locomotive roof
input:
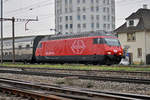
(21, 38)
(67, 36)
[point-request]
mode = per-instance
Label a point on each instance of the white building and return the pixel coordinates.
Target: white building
(135, 33)
(75, 16)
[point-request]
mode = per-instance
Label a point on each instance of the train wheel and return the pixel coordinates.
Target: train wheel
(62, 63)
(108, 62)
(25, 62)
(95, 63)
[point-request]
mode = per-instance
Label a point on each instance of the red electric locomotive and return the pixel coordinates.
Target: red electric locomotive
(90, 48)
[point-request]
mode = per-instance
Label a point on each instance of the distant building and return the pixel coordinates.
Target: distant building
(75, 16)
(135, 35)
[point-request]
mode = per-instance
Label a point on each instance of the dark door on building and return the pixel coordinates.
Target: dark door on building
(148, 59)
(131, 58)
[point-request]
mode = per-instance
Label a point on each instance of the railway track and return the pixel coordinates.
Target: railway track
(58, 69)
(38, 91)
(86, 77)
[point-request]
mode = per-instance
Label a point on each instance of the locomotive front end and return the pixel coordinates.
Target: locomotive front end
(114, 52)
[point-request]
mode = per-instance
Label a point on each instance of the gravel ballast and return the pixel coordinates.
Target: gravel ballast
(78, 83)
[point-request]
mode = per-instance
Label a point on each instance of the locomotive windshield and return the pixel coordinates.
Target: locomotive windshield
(112, 42)
(108, 41)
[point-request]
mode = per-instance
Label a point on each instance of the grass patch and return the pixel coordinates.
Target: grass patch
(79, 66)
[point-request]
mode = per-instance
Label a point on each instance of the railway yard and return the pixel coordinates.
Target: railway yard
(72, 84)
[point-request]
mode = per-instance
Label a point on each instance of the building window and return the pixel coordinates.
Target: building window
(104, 26)
(139, 52)
(70, 1)
(78, 1)
(107, 10)
(70, 9)
(92, 8)
(57, 11)
(131, 23)
(78, 17)
(112, 2)
(66, 1)
(108, 26)
(104, 1)
(70, 17)
(97, 8)
(104, 9)
(84, 25)
(66, 10)
(92, 25)
(66, 26)
(104, 18)
(79, 26)
(78, 9)
(66, 18)
(97, 25)
(60, 19)
(108, 2)
(97, 1)
(71, 26)
(60, 27)
(108, 18)
(60, 11)
(84, 9)
(92, 17)
(83, 1)
(97, 17)
(131, 37)
(84, 17)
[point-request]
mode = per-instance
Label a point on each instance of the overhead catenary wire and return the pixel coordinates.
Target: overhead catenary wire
(42, 17)
(38, 6)
(32, 6)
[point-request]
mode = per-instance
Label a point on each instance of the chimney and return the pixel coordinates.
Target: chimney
(144, 6)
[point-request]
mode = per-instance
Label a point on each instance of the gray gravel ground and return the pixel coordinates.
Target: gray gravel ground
(9, 97)
(78, 83)
(105, 74)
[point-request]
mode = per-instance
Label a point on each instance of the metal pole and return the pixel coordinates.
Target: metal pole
(1, 31)
(55, 17)
(13, 37)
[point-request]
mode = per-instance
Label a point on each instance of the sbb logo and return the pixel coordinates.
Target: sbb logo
(78, 46)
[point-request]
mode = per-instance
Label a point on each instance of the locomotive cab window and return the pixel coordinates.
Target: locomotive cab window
(40, 45)
(98, 41)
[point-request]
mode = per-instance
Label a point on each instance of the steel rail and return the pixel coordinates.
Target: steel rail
(81, 94)
(86, 77)
(43, 68)
(30, 94)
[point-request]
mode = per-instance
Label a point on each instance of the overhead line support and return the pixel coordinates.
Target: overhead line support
(13, 32)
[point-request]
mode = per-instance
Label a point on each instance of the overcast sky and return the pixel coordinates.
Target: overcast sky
(44, 9)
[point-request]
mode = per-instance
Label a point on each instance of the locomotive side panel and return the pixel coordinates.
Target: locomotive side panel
(70, 50)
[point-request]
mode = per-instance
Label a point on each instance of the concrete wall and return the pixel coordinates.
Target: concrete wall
(139, 43)
(148, 42)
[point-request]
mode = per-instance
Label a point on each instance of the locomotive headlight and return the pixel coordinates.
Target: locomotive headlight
(109, 53)
(120, 53)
